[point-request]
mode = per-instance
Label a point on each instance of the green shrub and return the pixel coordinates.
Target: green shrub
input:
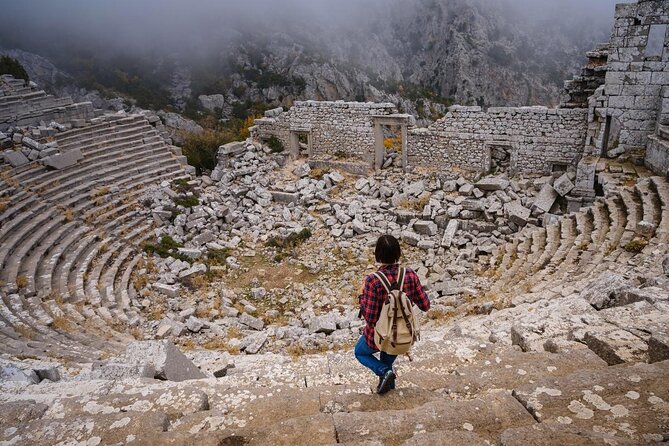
(12, 66)
(166, 247)
(275, 145)
(187, 202)
(285, 245)
(200, 148)
(217, 256)
(636, 245)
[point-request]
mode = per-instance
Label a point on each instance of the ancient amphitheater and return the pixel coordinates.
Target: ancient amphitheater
(549, 280)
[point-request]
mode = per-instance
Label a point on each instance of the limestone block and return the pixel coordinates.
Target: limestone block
(425, 227)
(167, 290)
(449, 233)
(616, 346)
(322, 324)
(658, 346)
(10, 372)
(117, 371)
(253, 343)
(63, 160)
(411, 238)
(493, 184)
(545, 199)
(168, 361)
(251, 322)
(517, 213)
(606, 291)
(15, 159)
(563, 185)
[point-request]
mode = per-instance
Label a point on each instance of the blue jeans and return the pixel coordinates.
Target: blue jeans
(365, 355)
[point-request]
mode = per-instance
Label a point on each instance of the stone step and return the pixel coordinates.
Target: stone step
(627, 400)
(111, 147)
(62, 180)
(44, 275)
(652, 211)
(489, 416)
(28, 266)
(103, 128)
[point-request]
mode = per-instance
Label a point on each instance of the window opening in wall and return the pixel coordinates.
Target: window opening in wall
(656, 39)
(559, 167)
(607, 135)
(392, 146)
(500, 158)
(300, 143)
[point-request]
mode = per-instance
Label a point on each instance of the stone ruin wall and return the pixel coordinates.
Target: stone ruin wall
(636, 94)
(626, 109)
(538, 138)
(334, 126)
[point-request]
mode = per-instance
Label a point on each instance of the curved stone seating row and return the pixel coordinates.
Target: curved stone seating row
(70, 238)
(456, 391)
(587, 241)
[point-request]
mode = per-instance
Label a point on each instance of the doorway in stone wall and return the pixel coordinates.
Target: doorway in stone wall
(300, 143)
(390, 141)
(392, 146)
(500, 157)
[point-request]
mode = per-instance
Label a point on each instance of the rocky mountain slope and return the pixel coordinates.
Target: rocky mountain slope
(419, 54)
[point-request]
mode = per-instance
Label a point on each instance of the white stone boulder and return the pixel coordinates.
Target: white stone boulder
(167, 360)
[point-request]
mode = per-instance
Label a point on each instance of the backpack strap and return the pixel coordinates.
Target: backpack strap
(384, 280)
(400, 279)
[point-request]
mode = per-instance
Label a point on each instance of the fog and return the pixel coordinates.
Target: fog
(181, 25)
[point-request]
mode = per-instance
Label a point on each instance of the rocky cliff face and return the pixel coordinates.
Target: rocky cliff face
(419, 54)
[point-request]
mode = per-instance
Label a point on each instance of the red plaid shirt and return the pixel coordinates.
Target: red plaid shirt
(373, 295)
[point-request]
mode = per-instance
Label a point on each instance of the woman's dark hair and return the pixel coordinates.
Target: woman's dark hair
(387, 250)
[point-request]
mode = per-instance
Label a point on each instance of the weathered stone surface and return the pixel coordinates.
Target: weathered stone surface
(117, 428)
(322, 324)
(658, 346)
(493, 183)
(167, 290)
(449, 233)
(63, 160)
(488, 416)
(167, 360)
(9, 372)
(253, 343)
(517, 213)
(15, 159)
(616, 346)
(117, 371)
(605, 291)
(635, 395)
(251, 322)
(428, 228)
(545, 199)
(563, 185)
(544, 434)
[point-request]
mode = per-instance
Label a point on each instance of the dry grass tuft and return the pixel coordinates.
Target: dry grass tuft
(21, 281)
(62, 324)
(220, 344)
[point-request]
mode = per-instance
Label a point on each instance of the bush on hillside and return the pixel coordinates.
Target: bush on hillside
(12, 66)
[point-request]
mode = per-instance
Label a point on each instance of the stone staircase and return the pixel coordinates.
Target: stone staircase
(455, 391)
(70, 239)
(568, 254)
(22, 104)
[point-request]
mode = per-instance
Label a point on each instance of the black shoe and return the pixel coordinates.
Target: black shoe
(387, 381)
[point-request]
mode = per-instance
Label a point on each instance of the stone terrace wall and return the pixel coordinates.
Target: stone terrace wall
(634, 80)
(334, 126)
(538, 138)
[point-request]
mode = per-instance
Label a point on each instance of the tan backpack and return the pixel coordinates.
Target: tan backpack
(397, 328)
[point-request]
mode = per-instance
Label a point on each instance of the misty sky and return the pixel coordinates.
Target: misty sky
(173, 25)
